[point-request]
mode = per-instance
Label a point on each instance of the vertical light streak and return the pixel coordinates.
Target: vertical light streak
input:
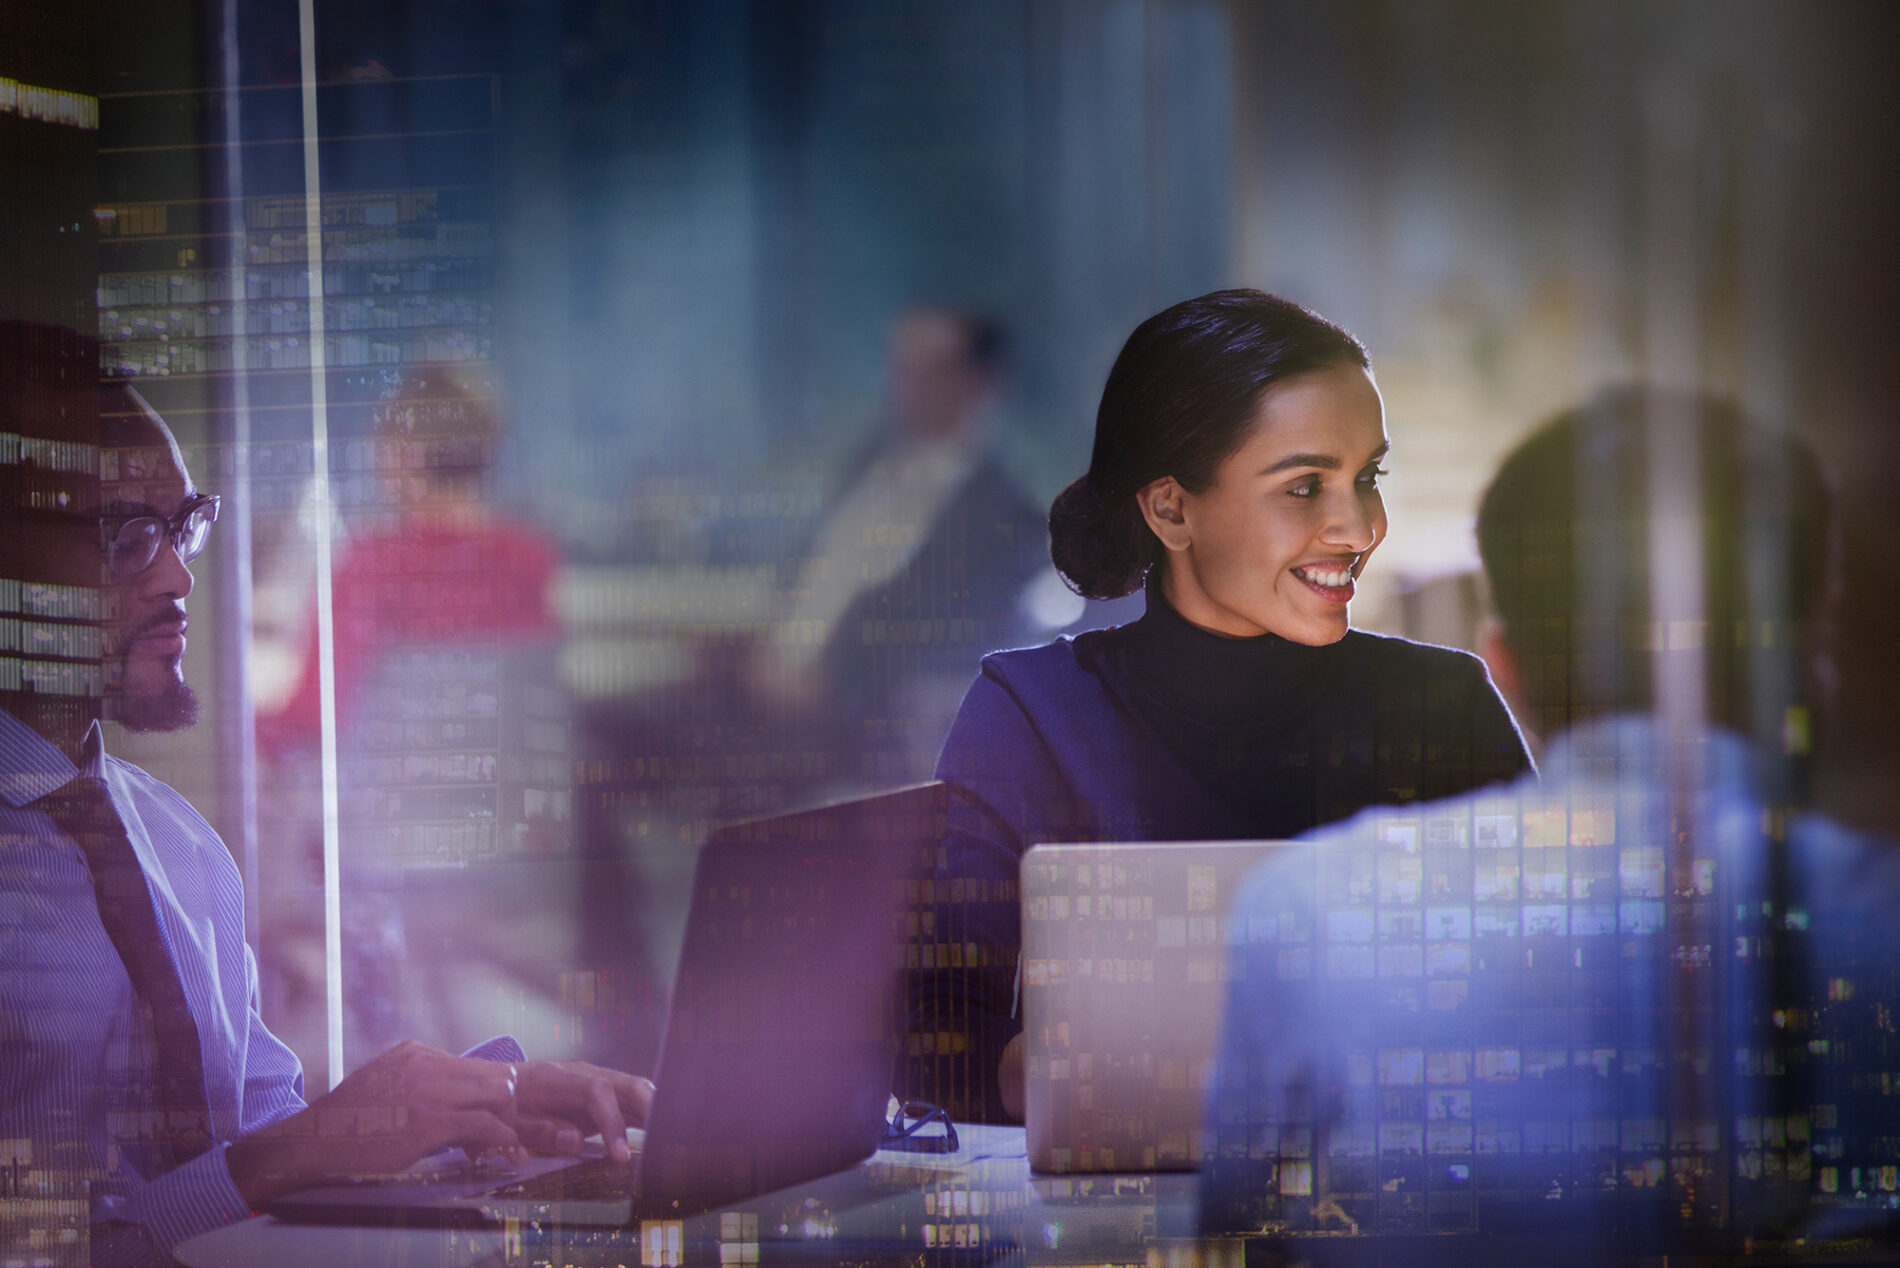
(236, 555)
(1767, 179)
(1678, 613)
(1604, 351)
(320, 476)
(1673, 460)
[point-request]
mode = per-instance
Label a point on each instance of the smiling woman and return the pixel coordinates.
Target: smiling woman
(1276, 540)
(1236, 473)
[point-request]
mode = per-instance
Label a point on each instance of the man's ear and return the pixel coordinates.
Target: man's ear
(1163, 505)
(1494, 645)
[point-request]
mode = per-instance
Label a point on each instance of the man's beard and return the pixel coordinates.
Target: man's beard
(172, 708)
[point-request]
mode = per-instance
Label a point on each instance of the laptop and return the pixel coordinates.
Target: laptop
(1122, 994)
(781, 1039)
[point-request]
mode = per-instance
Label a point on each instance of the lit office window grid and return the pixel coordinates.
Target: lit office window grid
(1495, 983)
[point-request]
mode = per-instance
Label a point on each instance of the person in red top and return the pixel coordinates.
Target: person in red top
(454, 766)
(444, 568)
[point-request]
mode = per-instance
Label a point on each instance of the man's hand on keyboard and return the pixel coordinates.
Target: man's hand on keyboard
(413, 1100)
(560, 1103)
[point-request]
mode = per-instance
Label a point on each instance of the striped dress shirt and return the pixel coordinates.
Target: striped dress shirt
(75, 1053)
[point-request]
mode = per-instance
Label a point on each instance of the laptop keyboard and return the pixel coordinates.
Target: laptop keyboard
(595, 1180)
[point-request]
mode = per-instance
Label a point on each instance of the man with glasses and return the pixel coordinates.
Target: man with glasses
(134, 1068)
(148, 648)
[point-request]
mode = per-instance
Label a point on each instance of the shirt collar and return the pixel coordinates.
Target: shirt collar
(31, 766)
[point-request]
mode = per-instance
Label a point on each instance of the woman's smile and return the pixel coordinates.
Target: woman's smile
(1334, 583)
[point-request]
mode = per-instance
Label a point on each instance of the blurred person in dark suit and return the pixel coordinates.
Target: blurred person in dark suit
(917, 568)
(134, 1065)
(917, 565)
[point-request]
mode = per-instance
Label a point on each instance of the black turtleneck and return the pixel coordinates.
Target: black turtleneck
(1241, 714)
(1162, 731)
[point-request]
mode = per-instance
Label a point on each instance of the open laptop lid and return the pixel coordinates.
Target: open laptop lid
(782, 1038)
(1123, 950)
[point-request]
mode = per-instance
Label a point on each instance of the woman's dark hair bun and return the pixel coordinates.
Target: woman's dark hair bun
(1099, 543)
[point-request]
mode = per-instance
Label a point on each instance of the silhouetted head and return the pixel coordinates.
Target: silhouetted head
(1579, 518)
(945, 366)
(437, 432)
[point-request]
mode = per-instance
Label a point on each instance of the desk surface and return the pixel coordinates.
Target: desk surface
(980, 1205)
(980, 1202)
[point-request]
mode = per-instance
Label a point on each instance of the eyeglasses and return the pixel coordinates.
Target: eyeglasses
(132, 544)
(902, 1132)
